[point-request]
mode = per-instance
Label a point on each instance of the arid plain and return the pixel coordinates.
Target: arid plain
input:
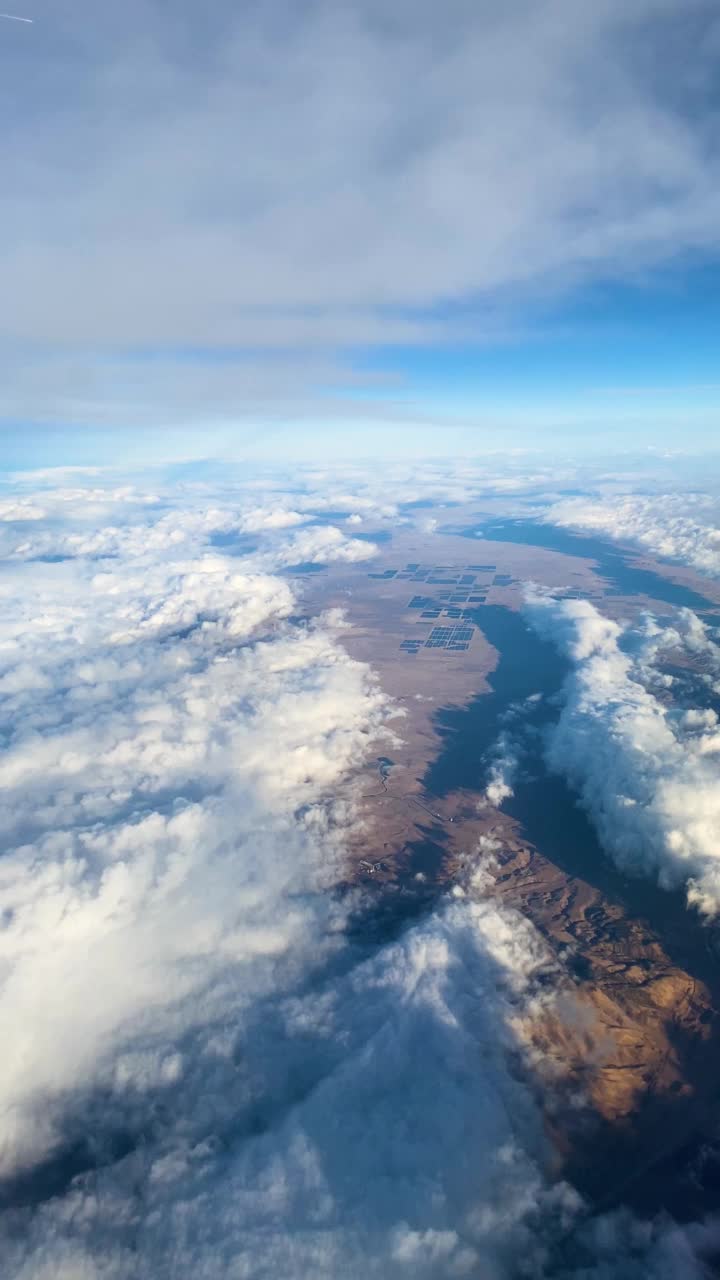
(627, 1057)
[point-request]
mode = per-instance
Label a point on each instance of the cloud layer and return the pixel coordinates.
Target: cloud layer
(206, 1072)
(295, 184)
(193, 1045)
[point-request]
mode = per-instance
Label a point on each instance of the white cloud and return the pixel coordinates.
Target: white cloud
(148, 820)
(501, 773)
(372, 1128)
(173, 963)
(205, 1072)
(684, 527)
(260, 518)
(321, 544)
(13, 511)
(69, 523)
(648, 772)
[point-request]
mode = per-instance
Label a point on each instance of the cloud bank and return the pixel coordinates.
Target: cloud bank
(647, 769)
(684, 527)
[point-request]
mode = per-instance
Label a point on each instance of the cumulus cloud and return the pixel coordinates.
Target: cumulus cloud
(14, 511)
(501, 773)
(369, 1125)
(504, 758)
(231, 498)
(193, 1042)
(684, 527)
(89, 503)
(152, 772)
(647, 770)
(260, 518)
(69, 524)
(205, 1071)
(288, 515)
(320, 545)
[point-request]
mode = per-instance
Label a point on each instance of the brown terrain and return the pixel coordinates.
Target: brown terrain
(628, 1053)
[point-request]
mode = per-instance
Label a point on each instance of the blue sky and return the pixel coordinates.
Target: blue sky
(307, 226)
(647, 351)
(658, 333)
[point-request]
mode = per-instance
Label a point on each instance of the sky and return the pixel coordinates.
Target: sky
(322, 227)
(281, 278)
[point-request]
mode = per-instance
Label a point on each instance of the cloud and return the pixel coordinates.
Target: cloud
(148, 827)
(503, 760)
(43, 515)
(619, 1246)
(69, 525)
(320, 545)
(210, 1067)
(194, 1042)
(260, 518)
(90, 503)
(192, 1037)
(347, 175)
(16, 512)
(251, 1168)
(647, 772)
(684, 527)
(503, 766)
